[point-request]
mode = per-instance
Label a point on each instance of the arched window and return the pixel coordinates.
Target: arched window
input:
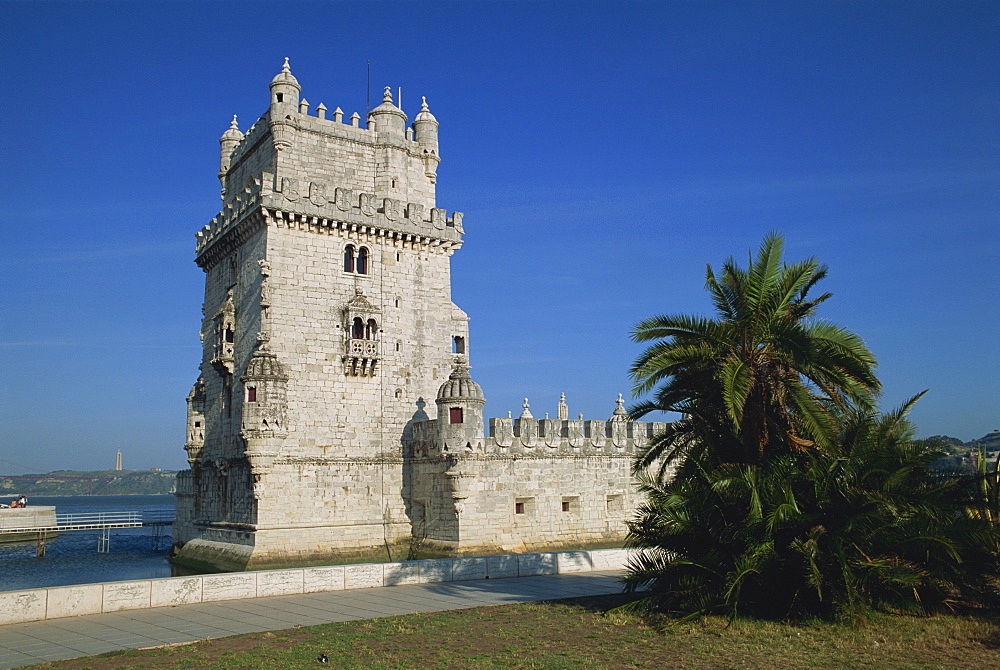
(349, 258)
(358, 329)
(371, 330)
(362, 261)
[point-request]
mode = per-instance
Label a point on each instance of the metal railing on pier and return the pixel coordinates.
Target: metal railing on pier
(102, 521)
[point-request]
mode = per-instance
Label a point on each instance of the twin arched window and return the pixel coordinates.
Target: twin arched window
(356, 259)
(361, 330)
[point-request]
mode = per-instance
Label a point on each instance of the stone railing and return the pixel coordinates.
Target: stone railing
(362, 348)
(65, 601)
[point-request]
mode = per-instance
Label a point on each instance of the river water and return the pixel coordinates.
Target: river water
(72, 558)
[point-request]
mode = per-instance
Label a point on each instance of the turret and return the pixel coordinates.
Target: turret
(195, 422)
(387, 117)
(285, 91)
(227, 143)
(425, 127)
(460, 411)
(265, 404)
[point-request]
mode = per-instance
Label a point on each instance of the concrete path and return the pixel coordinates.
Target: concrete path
(59, 639)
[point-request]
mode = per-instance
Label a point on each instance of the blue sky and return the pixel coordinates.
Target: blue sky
(603, 153)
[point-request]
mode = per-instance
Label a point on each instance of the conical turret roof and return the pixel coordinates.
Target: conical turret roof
(425, 112)
(387, 107)
(460, 385)
(285, 77)
(233, 132)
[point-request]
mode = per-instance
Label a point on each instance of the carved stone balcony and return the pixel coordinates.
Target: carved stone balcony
(363, 348)
(361, 357)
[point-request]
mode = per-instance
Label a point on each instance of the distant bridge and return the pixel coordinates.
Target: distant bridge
(103, 521)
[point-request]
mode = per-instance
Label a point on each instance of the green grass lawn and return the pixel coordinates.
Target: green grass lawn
(583, 633)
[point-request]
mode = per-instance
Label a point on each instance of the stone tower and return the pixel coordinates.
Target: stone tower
(328, 330)
(334, 414)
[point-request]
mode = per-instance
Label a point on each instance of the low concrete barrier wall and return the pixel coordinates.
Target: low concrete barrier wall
(65, 601)
(27, 517)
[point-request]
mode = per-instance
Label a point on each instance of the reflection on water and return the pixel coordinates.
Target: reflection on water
(72, 558)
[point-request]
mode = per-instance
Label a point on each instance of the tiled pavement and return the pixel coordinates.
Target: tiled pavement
(59, 639)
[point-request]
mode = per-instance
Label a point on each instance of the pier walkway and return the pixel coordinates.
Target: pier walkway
(43, 523)
(59, 639)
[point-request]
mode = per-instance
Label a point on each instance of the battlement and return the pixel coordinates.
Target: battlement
(328, 173)
(544, 437)
(324, 207)
(351, 130)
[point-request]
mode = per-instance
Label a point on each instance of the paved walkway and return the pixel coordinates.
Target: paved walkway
(71, 637)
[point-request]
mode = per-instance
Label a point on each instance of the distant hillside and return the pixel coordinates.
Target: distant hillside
(96, 482)
(962, 455)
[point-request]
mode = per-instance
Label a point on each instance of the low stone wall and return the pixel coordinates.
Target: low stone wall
(26, 517)
(65, 601)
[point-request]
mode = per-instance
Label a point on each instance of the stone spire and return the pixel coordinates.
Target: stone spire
(620, 413)
(425, 112)
(285, 77)
(233, 132)
(563, 413)
(388, 117)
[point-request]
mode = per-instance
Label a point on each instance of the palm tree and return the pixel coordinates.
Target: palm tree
(762, 377)
(824, 533)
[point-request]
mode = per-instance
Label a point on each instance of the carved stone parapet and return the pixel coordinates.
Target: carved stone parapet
(193, 453)
(361, 357)
(439, 218)
(362, 348)
(431, 161)
(261, 459)
(366, 202)
(282, 132)
(460, 482)
(597, 432)
(223, 364)
(502, 431)
(390, 208)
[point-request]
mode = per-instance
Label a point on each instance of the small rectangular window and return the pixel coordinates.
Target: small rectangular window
(565, 506)
(251, 394)
(518, 508)
(455, 415)
(570, 503)
(524, 506)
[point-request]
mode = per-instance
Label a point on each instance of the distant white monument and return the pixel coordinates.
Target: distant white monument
(118, 460)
